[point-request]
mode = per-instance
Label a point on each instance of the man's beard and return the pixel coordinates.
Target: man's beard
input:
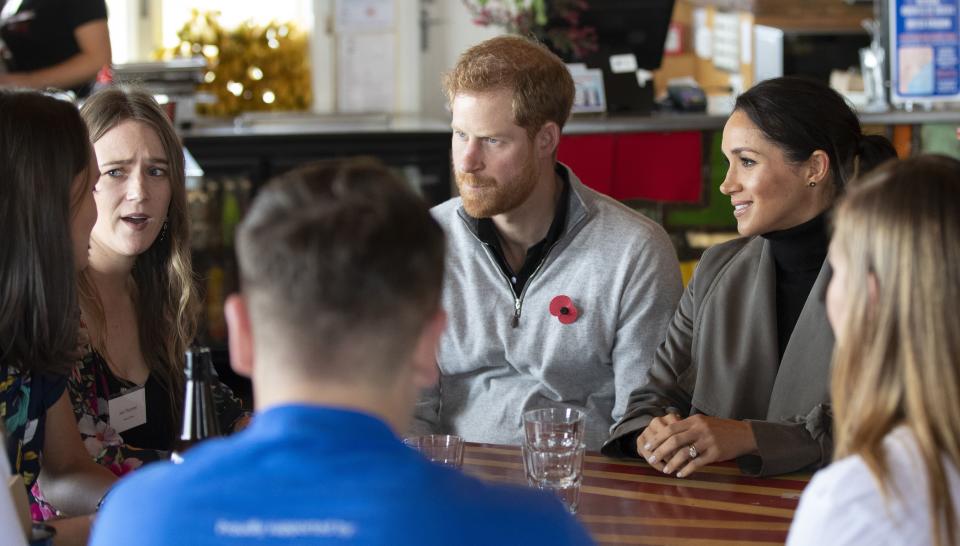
(497, 196)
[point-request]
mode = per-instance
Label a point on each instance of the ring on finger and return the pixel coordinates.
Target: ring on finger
(692, 451)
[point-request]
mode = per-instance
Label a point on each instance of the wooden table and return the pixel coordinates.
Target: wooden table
(626, 502)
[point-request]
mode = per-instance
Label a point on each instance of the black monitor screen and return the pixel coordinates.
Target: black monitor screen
(818, 54)
(627, 26)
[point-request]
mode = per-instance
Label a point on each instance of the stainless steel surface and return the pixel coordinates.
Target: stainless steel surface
(667, 122)
(174, 82)
(190, 69)
(300, 123)
(308, 123)
(917, 117)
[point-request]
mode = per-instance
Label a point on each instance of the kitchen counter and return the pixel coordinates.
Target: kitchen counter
(292, 124)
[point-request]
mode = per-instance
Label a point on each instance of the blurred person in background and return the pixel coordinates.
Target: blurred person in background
(53, 43)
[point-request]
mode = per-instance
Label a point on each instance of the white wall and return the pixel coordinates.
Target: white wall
(416, 84)
(408, 74)
(134, 29)
(451, 32)
(322, 58)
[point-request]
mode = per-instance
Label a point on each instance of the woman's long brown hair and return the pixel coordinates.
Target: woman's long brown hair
(43, 148)
(164, 293)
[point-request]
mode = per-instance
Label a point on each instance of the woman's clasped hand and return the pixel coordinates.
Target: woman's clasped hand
(682, 446)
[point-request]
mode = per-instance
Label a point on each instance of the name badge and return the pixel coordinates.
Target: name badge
(128, 410)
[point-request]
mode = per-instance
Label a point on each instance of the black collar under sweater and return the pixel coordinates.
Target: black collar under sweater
(487, 233)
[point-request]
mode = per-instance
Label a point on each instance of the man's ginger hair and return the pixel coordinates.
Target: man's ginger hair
(541, 85)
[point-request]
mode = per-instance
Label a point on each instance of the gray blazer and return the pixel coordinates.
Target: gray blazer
(720, 358)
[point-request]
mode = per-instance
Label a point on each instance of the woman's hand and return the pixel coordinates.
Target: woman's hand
(667, 447)
(655, 429)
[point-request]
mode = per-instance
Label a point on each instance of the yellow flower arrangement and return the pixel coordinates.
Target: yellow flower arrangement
(251, 68)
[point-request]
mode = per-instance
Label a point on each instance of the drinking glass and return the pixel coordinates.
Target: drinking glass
(445, 449)
(553, 451)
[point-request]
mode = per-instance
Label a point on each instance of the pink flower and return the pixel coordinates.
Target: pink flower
(97, 435)
(125, 467)
(40, 510)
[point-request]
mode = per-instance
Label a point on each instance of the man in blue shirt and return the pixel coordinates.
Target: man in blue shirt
(337, 325)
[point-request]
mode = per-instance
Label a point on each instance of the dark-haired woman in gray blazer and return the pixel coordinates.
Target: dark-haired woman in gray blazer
(744, 371)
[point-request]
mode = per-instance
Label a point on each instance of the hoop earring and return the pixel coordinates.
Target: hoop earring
(811, 184)
(163, 231)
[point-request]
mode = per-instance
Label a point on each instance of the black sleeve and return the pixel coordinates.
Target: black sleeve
(50, 387)
(81, 12)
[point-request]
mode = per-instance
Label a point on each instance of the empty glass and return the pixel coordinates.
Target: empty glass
(445, 449)
(553, 452)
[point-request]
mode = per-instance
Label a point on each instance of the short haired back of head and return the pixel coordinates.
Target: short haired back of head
(541, 85)
(342, 263)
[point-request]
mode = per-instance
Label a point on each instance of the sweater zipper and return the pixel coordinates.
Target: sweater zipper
(518, 303)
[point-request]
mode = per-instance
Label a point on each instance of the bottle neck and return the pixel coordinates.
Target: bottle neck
(199, 411)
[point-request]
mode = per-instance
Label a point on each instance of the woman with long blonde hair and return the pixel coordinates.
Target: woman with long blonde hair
(893, 303)
(137, 298)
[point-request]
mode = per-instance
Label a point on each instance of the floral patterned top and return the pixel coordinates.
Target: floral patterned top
(24, 401)
(91, 387)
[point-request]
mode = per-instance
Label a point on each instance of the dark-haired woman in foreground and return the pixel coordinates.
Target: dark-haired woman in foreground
(744, 371)
(47, 172)
(893, 304)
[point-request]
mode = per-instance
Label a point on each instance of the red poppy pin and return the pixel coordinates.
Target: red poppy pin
(563, 308)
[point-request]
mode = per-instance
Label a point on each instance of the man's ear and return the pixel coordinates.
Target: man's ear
(547, 139)
(240, 332)
(424, 359)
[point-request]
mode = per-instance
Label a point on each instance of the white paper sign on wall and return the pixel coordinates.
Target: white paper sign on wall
(623, 63)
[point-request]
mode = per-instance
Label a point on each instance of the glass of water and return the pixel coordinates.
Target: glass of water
(553, 451)
(445, 449)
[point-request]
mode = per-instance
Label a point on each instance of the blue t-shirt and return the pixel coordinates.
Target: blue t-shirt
(312, 475)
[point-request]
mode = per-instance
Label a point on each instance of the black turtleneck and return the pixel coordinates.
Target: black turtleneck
(798, 253)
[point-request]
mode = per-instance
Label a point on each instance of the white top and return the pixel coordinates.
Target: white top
(8, 514)
(843, 503)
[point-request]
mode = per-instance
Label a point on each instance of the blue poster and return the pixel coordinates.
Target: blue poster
(924, 50)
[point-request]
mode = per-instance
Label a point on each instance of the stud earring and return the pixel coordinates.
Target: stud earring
(811, 184)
